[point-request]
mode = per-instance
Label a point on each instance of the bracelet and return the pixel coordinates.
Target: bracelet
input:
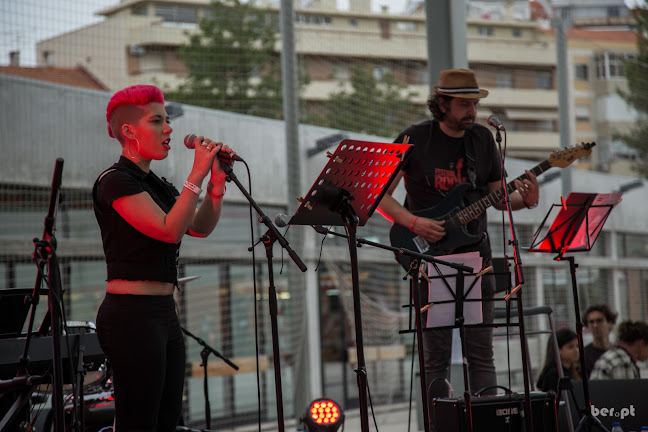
(192, 187)
(411, 228)
(210, 187)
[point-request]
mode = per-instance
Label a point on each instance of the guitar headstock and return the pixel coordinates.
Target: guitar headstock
(563, 158)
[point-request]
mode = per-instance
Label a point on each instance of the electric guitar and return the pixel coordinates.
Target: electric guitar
(456, 214)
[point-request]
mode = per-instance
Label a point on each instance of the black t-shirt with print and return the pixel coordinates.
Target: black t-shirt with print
(437, 164)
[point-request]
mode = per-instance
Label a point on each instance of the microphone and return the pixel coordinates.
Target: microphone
(281, 220)
(494, 121)
(224, 156)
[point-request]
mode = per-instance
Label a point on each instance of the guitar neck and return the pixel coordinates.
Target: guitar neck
(475, 209)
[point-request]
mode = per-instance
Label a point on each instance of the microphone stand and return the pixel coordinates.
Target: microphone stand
(417, 258)
(268, 239)
(204, 354)
(519, 282)
(48, 268)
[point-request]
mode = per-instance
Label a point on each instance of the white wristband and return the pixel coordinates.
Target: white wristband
(192, 187)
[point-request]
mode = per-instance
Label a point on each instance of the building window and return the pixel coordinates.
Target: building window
(313, 19)
(140, 10)
(485, 31)
(406, 26)
(632, 245)
(177, 13)
(379, 72)
(544, 80)
(48, 58)
(617, 65)
(532, 126)
(580, 72)
(611, 65)
(422, 75)
(353, 22)
(504, 79)
(341, 71)
(613, 11)
(582, 113)
(516, 32)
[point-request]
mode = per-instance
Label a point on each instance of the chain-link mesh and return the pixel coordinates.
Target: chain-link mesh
(361, 73)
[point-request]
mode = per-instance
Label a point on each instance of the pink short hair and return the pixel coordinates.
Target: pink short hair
(133, 95)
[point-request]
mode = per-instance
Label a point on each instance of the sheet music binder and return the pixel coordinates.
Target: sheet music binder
(577, 225)
(358, 171)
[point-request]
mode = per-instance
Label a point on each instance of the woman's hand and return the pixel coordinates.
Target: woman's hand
(205, 151)
(217, 173)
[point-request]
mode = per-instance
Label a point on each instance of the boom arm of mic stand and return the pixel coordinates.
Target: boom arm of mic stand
(402, 251)
(263, 218)
(204, 344)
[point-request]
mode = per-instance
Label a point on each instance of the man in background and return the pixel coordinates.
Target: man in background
(599, 320)
(620, 362)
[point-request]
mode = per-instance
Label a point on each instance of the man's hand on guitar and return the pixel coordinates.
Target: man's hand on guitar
(430, 229)
(528, 190)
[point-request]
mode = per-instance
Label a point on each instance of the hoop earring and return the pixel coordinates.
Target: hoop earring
(128, 148)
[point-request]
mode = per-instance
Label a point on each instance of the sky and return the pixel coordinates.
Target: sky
(24, 22)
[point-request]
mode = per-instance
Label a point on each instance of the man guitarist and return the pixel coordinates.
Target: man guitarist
(439, 162)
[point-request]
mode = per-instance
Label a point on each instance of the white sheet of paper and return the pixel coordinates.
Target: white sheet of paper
(440, 315)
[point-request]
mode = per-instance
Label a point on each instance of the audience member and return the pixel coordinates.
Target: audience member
(599, 320)
(568, 351)
(620, 362)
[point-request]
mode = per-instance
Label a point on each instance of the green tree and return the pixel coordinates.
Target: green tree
(232, 61)
(376, 106)
(636, 72)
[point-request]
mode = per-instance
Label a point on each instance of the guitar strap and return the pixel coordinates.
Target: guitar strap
(470, 158)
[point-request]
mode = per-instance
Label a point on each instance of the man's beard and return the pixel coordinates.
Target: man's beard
(467, 126)
(462, 124)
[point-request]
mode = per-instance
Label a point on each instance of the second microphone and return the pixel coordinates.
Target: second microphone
(224, 156)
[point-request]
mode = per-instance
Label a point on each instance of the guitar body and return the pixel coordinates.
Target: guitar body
(457, 235)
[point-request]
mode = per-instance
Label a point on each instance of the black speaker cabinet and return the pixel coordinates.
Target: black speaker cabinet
(496, 413)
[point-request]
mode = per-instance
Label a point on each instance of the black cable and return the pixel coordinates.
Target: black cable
(504, 244)
(282, 251)
(373, 414)
(255, 291)
(508, 315)
(319, 258)
(409, 414)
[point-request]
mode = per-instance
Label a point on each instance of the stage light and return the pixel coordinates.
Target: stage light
(323, 415)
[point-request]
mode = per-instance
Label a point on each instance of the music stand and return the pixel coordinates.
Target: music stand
(575, 229)
(459, 290)
(347, 192)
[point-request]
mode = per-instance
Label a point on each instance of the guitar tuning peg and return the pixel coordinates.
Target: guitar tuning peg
(300, 199)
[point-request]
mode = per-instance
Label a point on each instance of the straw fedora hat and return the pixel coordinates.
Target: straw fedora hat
(459, 83)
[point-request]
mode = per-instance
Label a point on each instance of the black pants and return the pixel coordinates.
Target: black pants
(142, 339)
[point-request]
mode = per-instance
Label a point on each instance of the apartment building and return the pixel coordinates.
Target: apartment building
(138, 42)
(596, 64)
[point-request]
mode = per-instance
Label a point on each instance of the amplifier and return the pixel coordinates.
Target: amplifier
(496, 413)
